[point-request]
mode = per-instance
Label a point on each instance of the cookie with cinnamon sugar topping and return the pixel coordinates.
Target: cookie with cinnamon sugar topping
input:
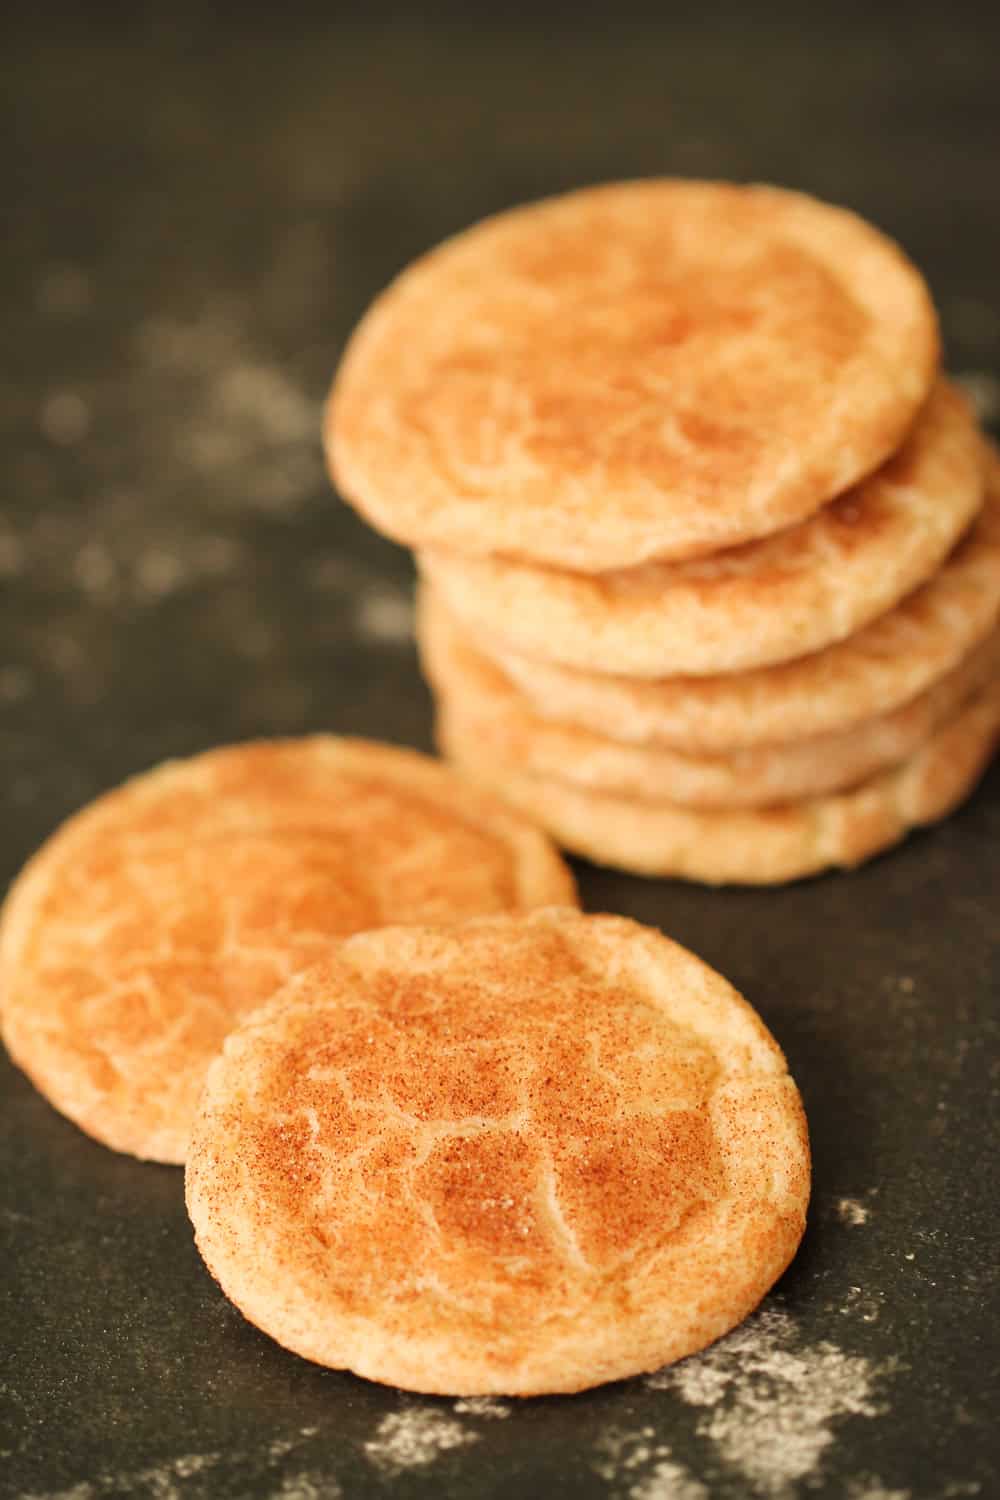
(640, 370)
(152, 921)
(520, 1155)
(749, 607)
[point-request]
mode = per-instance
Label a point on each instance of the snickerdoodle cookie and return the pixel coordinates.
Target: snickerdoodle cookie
(520, 1155)
(153, 920)
(642, 370)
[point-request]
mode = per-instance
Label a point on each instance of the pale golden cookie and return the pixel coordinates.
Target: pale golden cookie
(890, 663)
(641, 370)
(517, 1156)
(486, 710)
(763, 846)
(149, 923)
(764, 602)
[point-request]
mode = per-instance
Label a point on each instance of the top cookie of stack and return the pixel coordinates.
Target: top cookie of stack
(666, 446)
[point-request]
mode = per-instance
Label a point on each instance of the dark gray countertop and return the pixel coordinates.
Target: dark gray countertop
(197, 214)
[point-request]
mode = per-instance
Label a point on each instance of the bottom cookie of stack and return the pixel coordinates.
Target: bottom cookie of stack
(751, 846)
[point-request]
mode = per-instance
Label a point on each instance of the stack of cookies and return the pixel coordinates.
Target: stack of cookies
(710, 548)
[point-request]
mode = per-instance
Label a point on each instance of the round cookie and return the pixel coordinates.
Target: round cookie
(762, 846)
(484, 709)
(764, 602)
(149, 923)
(641, 370)
(522, 1155)
(879, 669)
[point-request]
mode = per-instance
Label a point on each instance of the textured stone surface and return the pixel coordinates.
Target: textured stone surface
(197, 216)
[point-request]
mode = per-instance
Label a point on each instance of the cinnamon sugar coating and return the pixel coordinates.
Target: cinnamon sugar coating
(641, 370)
(149, 923)
(521, 1155)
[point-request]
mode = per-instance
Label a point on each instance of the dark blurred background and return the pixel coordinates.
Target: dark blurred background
(199, 202)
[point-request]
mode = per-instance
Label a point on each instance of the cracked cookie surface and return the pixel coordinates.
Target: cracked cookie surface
(158, 916)
(523, 1154)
